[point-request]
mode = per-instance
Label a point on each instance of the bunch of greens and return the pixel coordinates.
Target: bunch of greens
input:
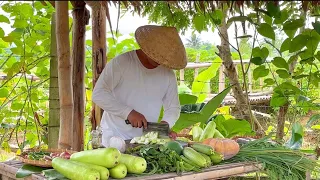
(161, 159)
(35, 155)
(279, 162)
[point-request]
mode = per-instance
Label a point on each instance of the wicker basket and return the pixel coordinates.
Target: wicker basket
(42, 163)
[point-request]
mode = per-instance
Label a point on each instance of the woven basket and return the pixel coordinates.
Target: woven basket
(42, 163)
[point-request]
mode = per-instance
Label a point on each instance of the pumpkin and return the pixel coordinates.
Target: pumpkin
(227, 147)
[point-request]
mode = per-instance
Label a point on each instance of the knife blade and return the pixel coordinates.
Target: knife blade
(162, 128)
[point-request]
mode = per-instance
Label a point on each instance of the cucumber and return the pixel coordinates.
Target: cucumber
(174, 145)
(208, 131)
(74, 171)
(203, 148)
(104, 172)
(196, 133)
(216, 158)
(106, 157)
(189, 161)
(208, 160)
(134, 164)
(217, 134)
(194, 156)
(119, 171)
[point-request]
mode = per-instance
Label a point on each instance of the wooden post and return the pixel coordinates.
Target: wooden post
(221, 79)
(181, 76)
(261, 84)
(54, 107)
(98, 51)
(196, 70)
(81, 17)
(64, 75)
(250, 80)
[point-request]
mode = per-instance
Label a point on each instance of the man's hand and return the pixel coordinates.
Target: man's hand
(137, 120)
(172, 134)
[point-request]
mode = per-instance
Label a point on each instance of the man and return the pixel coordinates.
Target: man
(135, 85)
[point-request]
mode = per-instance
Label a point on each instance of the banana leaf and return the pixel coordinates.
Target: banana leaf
(195, 113)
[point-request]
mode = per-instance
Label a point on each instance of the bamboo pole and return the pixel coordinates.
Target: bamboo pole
(250, 80)
(54, 107)
(64, 75)
(221, 79)
(182, 76)
(196, 70)
(81, 18)
(98, 51)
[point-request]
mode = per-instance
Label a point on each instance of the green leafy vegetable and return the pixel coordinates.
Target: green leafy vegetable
(279, 162)
(27, 170)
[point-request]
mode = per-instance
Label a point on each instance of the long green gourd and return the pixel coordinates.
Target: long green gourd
(106, 157)
(74, 171)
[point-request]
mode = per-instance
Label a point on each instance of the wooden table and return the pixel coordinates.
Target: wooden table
(9, 168)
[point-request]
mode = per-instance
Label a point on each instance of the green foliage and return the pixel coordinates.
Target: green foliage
(201, 114)
(25, 52)
(27, 170)
(279, 62)
(260, 71)
(259, 55)
(230, 127)
(201, 85)
(266, 30)
(295, 141)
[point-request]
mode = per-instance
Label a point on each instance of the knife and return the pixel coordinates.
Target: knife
(162, 128)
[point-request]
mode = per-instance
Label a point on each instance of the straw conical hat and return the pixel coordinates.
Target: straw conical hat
(163, 45)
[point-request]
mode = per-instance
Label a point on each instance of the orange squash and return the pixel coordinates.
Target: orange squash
(227, 147)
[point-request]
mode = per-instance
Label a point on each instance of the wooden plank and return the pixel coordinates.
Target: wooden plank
(9, 171)
(209, 173)
(219, 171)
(207, 64)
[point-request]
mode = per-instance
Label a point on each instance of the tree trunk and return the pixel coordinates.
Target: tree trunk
(64, 75)
(281, 121)
(81, 18)
(98, 51)
(284, 109)
(242, 103)
(54, 107)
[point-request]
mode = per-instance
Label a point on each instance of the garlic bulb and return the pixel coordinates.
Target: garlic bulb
(117, 142)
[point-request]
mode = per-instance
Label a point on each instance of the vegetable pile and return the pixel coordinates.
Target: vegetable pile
(279, 162)
(210, 131)
(149, 138)
(171, 157)
(99, 164)
(44, 156)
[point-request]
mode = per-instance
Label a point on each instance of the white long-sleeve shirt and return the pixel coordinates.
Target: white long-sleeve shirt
(125, 84)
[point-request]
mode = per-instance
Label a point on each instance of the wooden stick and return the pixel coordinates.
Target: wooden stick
(64, 75)
(98, 51)
(81, 18)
